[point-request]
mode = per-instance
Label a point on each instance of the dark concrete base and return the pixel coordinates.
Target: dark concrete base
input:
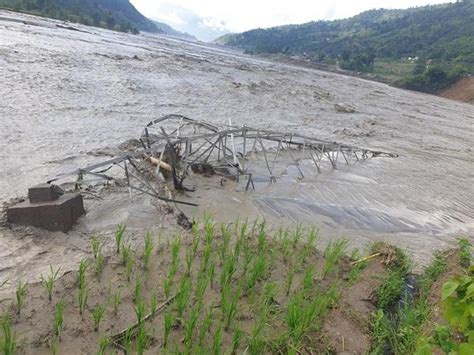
(57, 215)
(44, 193)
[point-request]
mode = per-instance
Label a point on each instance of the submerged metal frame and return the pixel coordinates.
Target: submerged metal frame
(193, 142)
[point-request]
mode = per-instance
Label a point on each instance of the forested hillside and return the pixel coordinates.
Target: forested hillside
(118, 15)
(437, 40)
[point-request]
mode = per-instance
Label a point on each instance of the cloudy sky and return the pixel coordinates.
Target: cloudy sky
(208, 18)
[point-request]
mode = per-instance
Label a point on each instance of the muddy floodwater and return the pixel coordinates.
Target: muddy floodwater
(67, 93)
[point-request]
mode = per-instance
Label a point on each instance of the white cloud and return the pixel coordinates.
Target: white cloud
(242, 15)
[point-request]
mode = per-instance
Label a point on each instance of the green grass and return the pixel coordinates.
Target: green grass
(397, 326)
(465, 252)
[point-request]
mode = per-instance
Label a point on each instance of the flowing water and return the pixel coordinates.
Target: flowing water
(66, 93)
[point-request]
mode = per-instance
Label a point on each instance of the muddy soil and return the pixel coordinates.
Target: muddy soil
(462, 90)
(69, 97)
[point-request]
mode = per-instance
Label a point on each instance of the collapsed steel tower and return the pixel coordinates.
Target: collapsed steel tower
(177, 145)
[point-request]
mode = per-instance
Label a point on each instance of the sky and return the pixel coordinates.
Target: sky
(208, 19)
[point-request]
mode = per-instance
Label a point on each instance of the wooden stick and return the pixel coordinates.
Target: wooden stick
(115, 338)
(366, 258)
(159, 163)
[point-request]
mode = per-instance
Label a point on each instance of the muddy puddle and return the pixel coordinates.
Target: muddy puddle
(69, 96)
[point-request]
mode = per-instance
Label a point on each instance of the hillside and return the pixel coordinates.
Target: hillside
(118, 15)
(441, 37)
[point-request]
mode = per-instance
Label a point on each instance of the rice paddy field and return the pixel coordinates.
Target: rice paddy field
(230, 289)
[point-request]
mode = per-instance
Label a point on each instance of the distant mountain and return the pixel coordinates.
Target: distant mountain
(441, 35)
(168, 30)
(118, 15)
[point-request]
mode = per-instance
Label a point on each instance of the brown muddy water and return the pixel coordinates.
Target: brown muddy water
(67, 94)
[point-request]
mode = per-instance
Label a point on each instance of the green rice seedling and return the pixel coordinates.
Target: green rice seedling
(206, 257)
(201, 287)
(228, 270)
(268, 295)
(243, 232)
(208, 229)
(238, 248)
(117, 300)
(308, 279)
(297, 235)
(137, 289)
(286, 243)
(20, 294)
(154, 301)
(297, 318)
(119, 232)
(127, 341)
(143, 339)
(196, 238)
(147, 250)
(249, 255)
(309, 247)
(169, 321)
(83, 295)
(212, 271)
(217, 341)
(256, 343)
(97, 313)
(99, 263)
(261, 237)
(189, 326)
(103, 345)
(231, 308)
(96, 246)
(183, 295)
(129, 267)
(59, 319)
(224, 246)
(8, 341)
(189, 260)
(236, 340)
(257, 271)
(175, 247)
(289, 279)
(48, 283)
(125, 253)
(206, 324)
(167, 286)
(81, 278)
(332, 254)
(140, 310)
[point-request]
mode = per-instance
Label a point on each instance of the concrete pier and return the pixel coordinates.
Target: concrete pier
(47, 209)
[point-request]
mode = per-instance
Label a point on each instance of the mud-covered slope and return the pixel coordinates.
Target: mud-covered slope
(462, 90)
(66, 94)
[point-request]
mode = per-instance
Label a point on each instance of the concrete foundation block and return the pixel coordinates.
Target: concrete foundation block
(43, 193)
(57, 215)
